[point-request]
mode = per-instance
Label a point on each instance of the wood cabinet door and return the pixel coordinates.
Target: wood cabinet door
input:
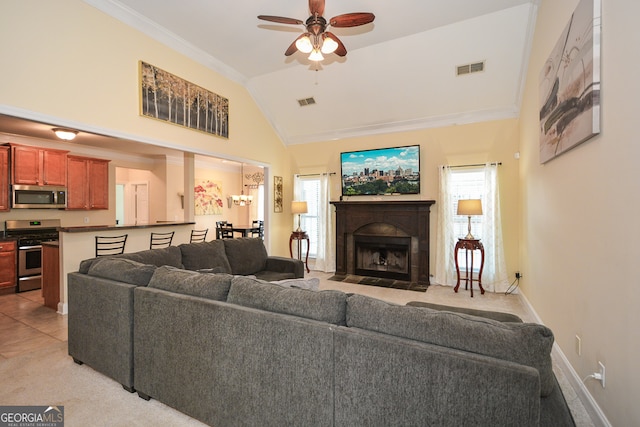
(7, 264)
(77, 185)
(4, 179)
(26, 165)
(54, 167)
(98, 184)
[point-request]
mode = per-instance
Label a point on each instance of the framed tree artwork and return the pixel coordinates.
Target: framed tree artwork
(166, 97)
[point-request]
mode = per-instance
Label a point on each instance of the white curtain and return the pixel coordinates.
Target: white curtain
(445, 273)
(325, 256)
(494, 275)
(325, 259)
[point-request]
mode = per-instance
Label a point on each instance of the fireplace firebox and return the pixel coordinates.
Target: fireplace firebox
(382, 256)
(383, 239)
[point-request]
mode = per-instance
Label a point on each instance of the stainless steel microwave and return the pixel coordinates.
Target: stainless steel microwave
(38, 197)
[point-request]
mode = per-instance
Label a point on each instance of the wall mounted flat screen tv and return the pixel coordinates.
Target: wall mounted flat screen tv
(381, 171)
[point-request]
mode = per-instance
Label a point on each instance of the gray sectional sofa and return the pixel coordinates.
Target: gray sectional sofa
(234, 350)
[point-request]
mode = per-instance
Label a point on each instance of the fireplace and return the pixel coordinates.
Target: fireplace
(381, 256)
(383, 239)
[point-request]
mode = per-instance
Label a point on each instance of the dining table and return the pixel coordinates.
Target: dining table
(245, 230)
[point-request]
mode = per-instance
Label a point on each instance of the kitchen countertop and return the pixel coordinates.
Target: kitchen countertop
(89, 228)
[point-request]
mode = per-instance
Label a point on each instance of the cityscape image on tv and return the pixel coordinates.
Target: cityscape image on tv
(381, 171)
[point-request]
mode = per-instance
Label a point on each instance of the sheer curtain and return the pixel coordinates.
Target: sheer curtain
(325, 256)
(325, 259)
(494, 275)
(445, 239)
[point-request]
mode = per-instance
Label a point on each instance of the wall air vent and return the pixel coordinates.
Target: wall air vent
(476, 67)
(306, 101)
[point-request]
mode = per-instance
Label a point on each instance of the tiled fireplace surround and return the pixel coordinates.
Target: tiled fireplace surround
(390, 224)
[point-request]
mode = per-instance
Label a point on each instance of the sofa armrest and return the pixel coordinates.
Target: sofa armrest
(285, 265)
(100, 331)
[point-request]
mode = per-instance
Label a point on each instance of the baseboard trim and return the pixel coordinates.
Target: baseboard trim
(590, 405)
(63, 308)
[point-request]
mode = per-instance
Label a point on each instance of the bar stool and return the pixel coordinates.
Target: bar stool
(161, 240)
(110, 245)
(198, 235)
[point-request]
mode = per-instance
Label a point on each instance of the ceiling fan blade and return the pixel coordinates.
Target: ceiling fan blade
(341, 50)
(292, 47)
(351, 19)
(280, 19)
(316, 6)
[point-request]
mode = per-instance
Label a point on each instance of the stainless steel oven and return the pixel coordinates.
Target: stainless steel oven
(30, 234)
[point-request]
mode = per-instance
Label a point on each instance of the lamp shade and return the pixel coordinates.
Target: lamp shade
(470, 207)
(299, 207)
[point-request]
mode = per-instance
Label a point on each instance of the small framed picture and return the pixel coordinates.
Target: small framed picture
(277, 194)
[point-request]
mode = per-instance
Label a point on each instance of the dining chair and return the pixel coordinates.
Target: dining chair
(258, 228)
(224, 230)
(161, 240)
(198, 235)
(110, 245)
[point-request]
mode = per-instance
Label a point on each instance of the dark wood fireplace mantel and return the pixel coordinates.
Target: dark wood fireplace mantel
(411, 218)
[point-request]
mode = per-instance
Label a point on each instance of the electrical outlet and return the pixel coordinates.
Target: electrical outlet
(601, 379)
(578, 345)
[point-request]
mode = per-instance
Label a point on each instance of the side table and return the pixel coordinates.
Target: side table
(300, 236)
(469, 246)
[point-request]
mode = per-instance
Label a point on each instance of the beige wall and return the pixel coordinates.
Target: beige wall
(579, 216)
(495, 141)
(86, 72)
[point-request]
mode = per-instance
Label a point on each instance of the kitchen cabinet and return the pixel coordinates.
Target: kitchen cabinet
(8, 266)
(51, 274)
(4, 178)
(88, 183)
(38, 166)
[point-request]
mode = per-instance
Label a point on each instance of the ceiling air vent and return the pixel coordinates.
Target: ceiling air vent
(306, 101)
(476, 67)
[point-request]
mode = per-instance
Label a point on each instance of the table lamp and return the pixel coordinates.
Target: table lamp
(469, 207)
(299, 208)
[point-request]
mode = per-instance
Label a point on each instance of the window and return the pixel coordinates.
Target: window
(309, 222)
(467, 184)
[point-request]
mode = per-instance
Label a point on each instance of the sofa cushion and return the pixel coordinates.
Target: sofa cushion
(246, 256)
(205, 256)
(211, 286)
(312, 283)
(525, 343)
(495, 315)
(122, 270)
(326, 306)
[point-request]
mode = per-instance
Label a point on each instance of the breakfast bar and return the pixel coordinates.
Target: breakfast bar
(82, 241)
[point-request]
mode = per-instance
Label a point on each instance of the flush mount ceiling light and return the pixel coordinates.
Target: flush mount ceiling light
(65, 134)
(317, 40)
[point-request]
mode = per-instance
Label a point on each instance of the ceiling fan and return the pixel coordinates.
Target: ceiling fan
(317, 40)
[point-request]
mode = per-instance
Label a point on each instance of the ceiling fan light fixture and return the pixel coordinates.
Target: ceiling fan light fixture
(65, 134)
(329, 45)
(303, 44)
(316, 55)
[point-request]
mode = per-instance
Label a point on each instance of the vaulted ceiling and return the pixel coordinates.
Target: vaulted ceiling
(400, 72)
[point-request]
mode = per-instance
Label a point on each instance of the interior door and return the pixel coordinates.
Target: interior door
(141, 202)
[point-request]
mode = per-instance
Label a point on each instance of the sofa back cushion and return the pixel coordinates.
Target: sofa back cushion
(525, 343)
(246, 256)
(122, 270)
(211, 286)
(205, 256)
(165, 256)
(325, 306)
